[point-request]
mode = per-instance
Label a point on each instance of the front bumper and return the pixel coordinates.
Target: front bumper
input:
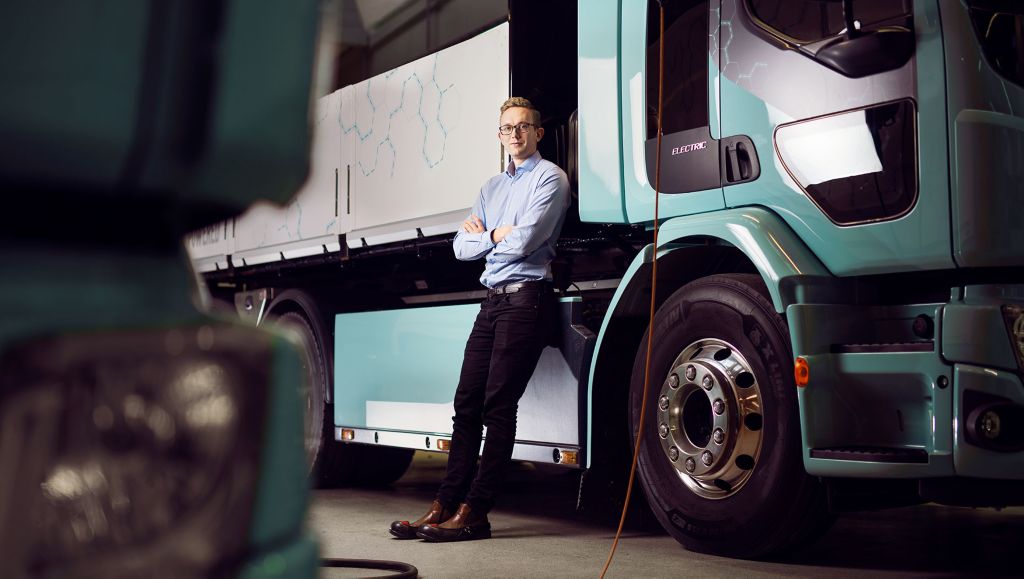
(902, 410)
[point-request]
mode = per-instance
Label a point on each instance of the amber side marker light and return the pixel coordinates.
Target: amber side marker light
(801, 372)
(570, 457)
(444, 444)
(348, 434)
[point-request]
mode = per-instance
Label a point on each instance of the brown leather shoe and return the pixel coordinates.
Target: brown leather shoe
(407, 530)
(464, 526)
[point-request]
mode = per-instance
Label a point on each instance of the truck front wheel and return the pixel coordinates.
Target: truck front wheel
(720, 458)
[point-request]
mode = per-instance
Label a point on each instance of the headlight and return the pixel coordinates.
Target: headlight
(130, 454)
(1014, 316)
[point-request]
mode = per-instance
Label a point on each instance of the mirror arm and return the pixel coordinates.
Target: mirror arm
(851, 28)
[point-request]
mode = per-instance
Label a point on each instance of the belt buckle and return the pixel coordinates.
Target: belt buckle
(504, 289)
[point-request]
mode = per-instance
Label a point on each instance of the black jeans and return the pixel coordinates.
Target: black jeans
(508, 336)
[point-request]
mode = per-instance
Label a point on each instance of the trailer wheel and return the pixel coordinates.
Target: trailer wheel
(720, 461)
(331, 463)
(314, 363)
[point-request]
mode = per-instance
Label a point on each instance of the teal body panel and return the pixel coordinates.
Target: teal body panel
(411, 356)
(760, 94)
(988, 201)
(986, 144)
(903, 399)
(973, 329)
(600, 157)
(638, 192)
(45, 292)
(126, 61)
(94, 52)
(612, 131)
(877, 400)
(765, 239)
(870, 399)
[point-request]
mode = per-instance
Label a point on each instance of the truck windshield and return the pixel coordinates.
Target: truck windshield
(1000, 30)
(805, 21)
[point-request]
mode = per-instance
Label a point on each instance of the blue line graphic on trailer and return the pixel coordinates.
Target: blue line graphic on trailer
(374, 117)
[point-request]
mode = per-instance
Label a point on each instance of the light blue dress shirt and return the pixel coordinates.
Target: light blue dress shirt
(534, 198)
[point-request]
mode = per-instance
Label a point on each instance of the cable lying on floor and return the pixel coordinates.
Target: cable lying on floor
(401, 570)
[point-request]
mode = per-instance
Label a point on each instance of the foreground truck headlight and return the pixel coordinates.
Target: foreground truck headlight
(124, 453)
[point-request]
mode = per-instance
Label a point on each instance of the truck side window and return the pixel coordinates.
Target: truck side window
(804, 21)
(685, 103)
(689, 158)
(857, 167)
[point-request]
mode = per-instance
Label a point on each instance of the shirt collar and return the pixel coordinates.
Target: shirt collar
(527, 165)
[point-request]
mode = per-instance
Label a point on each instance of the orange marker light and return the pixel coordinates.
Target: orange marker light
(348, 434)
(443, 444)
(801, 372)
(568, 457)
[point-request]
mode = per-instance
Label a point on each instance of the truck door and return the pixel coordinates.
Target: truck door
(690, 178)
(849, 128)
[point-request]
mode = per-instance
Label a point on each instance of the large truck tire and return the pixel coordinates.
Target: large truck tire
(333, 464)
(720, 461)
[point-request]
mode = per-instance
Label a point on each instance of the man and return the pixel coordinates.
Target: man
(514, 225)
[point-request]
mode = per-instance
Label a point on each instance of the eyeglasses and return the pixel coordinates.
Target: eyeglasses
(521, 127)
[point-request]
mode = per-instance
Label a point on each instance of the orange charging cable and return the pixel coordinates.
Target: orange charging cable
(654, 286)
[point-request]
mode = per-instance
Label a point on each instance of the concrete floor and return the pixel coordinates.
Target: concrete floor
(537, 533)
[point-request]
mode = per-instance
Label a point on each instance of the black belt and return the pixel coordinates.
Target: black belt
(512, 288)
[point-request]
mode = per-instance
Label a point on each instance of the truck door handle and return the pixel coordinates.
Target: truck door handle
(740, 163)
(735, 172)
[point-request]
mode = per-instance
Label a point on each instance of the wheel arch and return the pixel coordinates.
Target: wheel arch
(742, 240)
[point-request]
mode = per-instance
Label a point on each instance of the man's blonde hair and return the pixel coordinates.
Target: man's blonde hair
(524, 103)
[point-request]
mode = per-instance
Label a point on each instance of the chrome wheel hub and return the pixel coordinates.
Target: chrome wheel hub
(710, 418)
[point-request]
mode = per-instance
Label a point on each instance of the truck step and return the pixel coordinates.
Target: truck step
(922, 346)
(872, 454)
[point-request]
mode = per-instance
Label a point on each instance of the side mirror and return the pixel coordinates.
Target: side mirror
(868, 53)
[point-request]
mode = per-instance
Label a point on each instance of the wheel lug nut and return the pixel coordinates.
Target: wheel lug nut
(690, 464)
(718, 406)
(706, 457)
(691, 372)
(673, 453)
(673, 381)
(663, 403)
(708, 382)
(663, 430)
(718, 435)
